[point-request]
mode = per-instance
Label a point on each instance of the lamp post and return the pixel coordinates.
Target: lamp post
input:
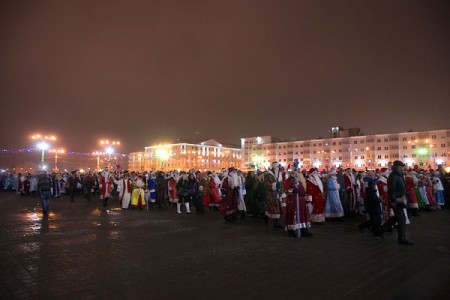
(109, 148)
(43, 144)
(97, 153)
(163, 154)
(56, 151)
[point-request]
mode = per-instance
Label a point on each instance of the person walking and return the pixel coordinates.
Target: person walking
(88, 186)
(183, 193)
(397, 199)
(73, 185)
(373, 206)
(45, 186)
(333, 205)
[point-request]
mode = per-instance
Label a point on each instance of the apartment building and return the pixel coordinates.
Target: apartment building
(349, 148)
(207, 155)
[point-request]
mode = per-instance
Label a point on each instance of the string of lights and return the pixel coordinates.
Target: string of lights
(31, 150)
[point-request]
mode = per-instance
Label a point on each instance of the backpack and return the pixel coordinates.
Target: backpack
(45, 184)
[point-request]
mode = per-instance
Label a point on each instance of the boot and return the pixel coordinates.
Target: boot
(178, 208)
(276, 223)
(242, 214)
(304, 232)
(292, 233)
(188, 211)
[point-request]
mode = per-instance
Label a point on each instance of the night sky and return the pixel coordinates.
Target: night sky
(151, 71)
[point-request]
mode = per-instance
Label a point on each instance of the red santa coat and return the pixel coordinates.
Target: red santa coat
(430, 194)
(351, 193)
(294, 221)
(228, 206)
(382, 190)
(105, 183)
(410, 185)
(314, 191)
(173, 189)
(215, 194)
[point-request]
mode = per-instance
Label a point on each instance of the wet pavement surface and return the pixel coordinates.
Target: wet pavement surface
(86, 252)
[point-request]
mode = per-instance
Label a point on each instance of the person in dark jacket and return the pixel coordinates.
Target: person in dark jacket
(397, 199)
(73, 181)
(160, 188)
(88, 185)
(45, 186)
(183, 193)
(251, 187)
(373, 206)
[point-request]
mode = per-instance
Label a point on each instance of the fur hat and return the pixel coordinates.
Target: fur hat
(398, 163)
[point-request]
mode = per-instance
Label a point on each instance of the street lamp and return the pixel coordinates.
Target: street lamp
(109, 148)
(42, 146)
(163, 154)
(56, 151)
(97, 153)
(43, 143)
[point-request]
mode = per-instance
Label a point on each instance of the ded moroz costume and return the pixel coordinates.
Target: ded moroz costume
(124, 185)
(314, 189)
(350, 184)
(105, 183)
(273, 186)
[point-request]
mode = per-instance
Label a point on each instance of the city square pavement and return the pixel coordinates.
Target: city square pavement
(86, 252)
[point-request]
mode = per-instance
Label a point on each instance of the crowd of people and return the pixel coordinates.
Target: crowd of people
(287, 198)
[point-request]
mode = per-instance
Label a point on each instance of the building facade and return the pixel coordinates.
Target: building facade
(348, 148)
(207, 155)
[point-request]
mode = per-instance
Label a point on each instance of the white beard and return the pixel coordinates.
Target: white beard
(234, 180)
(139, 183)
(216, 179)
(317, 181)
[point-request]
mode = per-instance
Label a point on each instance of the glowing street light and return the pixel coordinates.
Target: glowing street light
(163, 154)
(57, 151)
(108, 142)
(43, 145)
(97, 153)
(109, 148)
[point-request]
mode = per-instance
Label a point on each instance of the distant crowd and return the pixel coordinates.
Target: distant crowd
(287, 198)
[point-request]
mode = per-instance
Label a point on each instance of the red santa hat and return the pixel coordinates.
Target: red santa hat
(411, 171)
(383, 171)
(312, 170)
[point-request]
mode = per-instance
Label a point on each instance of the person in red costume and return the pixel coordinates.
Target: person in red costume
(297, 213)
(105, 184)
(124, 186)
(314, 189)
(383, 191)
(411, 187)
